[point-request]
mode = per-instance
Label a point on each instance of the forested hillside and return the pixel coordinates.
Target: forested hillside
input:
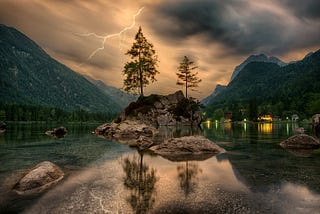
(281, 91)
(29, 76)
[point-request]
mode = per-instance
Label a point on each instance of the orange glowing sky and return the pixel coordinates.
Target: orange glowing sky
(217, 35)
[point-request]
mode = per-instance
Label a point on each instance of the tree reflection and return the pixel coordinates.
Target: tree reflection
(140, 180)
(187, 175)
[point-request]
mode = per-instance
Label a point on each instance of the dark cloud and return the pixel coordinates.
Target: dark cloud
(240, 26)
(309, 9)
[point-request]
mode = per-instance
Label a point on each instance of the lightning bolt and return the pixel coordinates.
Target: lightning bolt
(106, 37)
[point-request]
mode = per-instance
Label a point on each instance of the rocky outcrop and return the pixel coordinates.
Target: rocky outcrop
(57, 132)
(301, 141)
(156, 110)
(39, 178)
(187, 148)
(143, 117)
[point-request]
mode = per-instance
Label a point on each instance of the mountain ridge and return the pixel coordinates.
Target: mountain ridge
(123, 99)
(256, 58)
(28, 75)
(294, 86)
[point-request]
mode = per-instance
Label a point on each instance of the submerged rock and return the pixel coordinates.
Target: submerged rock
(39, 178)
(57, 132)
(301, 141)
(187, 148)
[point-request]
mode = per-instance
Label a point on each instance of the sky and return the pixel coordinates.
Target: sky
(217, 35)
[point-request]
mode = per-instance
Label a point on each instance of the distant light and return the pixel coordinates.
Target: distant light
(208, 123)
(244, 119)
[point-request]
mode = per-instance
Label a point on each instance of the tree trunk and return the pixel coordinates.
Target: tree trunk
(186, 86)
(140, 75)
(141, 83)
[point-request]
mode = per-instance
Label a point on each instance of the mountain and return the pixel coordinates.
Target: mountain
(28, 75)
(252, 58)
(256, 58)
(295, 86)
(122, 98)
(219, 88)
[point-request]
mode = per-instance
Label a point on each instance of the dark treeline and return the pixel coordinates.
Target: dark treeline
(304, 106)
(19, 112)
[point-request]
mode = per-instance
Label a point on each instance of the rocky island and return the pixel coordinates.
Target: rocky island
(138, 124)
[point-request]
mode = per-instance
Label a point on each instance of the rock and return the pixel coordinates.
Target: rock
(57, 132)
(316, 125)
(187, 148)
(155, 110)
(176, 97)
(166, 119)
(127, 129)
(315, 119)
(299, 130)
(3, 126)
(301, 141)
(142, 143)
(39, 178)
(143, 117)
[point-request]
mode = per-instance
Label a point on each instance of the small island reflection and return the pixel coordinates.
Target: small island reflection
(140, 180)
(187, 176)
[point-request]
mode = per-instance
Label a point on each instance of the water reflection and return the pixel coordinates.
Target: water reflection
(265, 128)
(187, 176)
(166, 132)
(253, 131)
(255, 176)
(140, 180)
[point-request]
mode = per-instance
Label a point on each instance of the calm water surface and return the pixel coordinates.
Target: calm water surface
(255, 176)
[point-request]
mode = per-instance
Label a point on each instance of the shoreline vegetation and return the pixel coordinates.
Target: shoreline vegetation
(37, 113)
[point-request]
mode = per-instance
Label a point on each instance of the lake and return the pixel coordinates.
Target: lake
(256, 175)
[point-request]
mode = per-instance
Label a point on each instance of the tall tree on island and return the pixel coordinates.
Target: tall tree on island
(186, 76)
(142, 69)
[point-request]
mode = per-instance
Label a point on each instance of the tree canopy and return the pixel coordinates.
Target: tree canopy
(186, 76)
(143, 67)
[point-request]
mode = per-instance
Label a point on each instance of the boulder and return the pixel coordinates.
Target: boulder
(57, 132)
(127, 129)
(187, 148)
(301, 141)
(39, 178)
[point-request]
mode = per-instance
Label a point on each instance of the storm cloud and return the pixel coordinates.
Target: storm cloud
(242, 26)
(216, 34)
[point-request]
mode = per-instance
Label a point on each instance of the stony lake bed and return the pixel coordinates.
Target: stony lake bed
(255, 175)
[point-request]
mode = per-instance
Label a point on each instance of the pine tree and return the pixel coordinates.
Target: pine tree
(185, 74)
(142, 69)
